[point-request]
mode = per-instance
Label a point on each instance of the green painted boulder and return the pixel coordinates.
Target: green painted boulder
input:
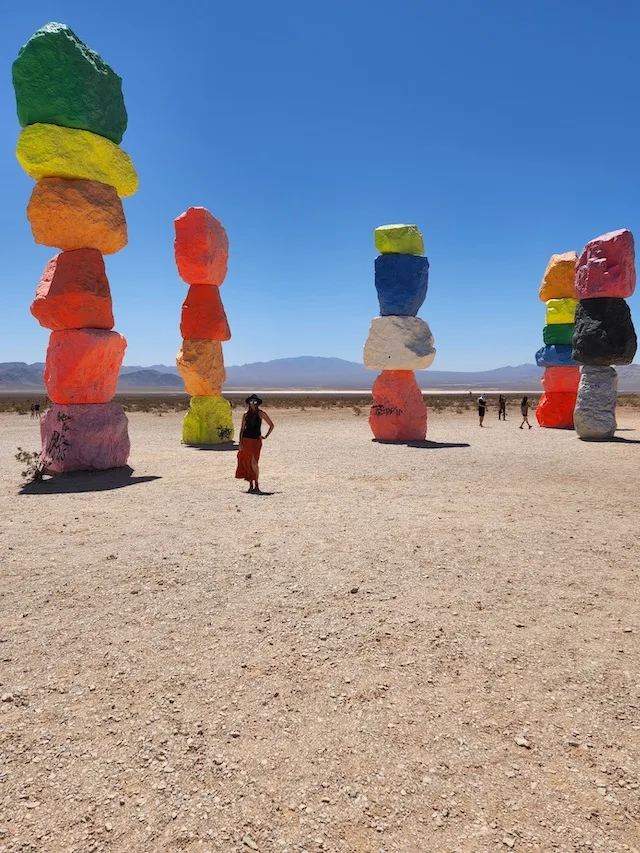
(558, 333)
(59, 80)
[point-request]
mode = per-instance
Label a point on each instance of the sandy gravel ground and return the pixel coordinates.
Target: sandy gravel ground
(401, 649)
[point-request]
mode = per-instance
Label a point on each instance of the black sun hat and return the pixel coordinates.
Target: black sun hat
(253, 397)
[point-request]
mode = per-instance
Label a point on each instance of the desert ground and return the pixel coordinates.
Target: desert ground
(400, 648)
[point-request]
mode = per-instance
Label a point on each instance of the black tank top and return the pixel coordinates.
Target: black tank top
(252, 427)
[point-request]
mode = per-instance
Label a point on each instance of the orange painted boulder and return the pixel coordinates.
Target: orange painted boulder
(203, 315)
(82, 365)
(74, 292)
(398, 412)
(562, 379)
(555, 408)
(77, 214)
(201, 247)
(558, 279)
(84, 438)
(201, 365)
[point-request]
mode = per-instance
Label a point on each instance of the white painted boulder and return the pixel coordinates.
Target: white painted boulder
(399, 343)
(595, 413)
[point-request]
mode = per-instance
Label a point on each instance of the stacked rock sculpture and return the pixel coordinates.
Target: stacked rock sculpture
(202, 252)
(561, 375)
(71, 108)
(604, 335)
(399, 342)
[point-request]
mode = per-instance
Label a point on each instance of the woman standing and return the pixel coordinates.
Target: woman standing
(251, 442)
(524, 409)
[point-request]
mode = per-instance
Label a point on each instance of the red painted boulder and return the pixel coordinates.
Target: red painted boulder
(84, 438)
(74, 292)
(555, 409)
(607, 267)
(398, 412)
(82, 365)
(201, 247)
(203, 315)
(563, 379)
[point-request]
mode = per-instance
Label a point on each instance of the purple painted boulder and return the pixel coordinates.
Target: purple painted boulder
(85, 437)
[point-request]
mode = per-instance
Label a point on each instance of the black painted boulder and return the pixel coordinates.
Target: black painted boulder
(604, 333)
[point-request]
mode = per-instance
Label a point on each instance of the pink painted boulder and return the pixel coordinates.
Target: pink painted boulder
(607, 267)
(82, 365)
(84, 438)
(398, 412)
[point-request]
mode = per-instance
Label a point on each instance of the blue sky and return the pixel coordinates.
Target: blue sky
(506, 131)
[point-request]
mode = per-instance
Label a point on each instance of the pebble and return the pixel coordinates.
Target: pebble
(249, 842)
(354, 589)
(522, 741)
(509, 841)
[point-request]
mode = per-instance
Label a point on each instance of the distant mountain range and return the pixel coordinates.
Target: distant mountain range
(307, 373)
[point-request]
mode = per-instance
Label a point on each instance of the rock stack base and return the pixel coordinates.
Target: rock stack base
(398, 412)
(595, 412)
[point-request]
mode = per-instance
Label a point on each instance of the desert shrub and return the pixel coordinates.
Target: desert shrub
(33, 468)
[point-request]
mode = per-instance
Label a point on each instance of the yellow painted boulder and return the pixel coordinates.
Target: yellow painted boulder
(561, 311)
(49, 151)
(201, 365)
(399, 239)
(208, 421)
(558, 281)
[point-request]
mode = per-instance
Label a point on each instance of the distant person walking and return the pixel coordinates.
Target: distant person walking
(33, 411)
(502, 408)
(36, 409)
(482, 408)
(524, 410)
(251, 443)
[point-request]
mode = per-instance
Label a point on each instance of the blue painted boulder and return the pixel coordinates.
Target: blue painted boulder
(556, 355)
(401, 282)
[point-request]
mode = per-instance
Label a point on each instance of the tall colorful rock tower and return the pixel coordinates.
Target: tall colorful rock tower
(604, 333)
(202, 252)
(399, 342)
(561, 376)
(72, 112)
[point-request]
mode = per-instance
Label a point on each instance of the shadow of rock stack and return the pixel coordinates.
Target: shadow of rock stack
(71, 108)
(604, 335)
(399, 342)
(561, 375)
(202, 252)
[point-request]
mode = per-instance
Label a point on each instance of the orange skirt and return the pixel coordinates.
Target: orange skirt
(248, 458)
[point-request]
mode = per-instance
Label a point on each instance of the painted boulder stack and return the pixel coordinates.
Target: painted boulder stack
(604, 335)
(561, 373)
(201, 252)
(73, 116)
(399, 342)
